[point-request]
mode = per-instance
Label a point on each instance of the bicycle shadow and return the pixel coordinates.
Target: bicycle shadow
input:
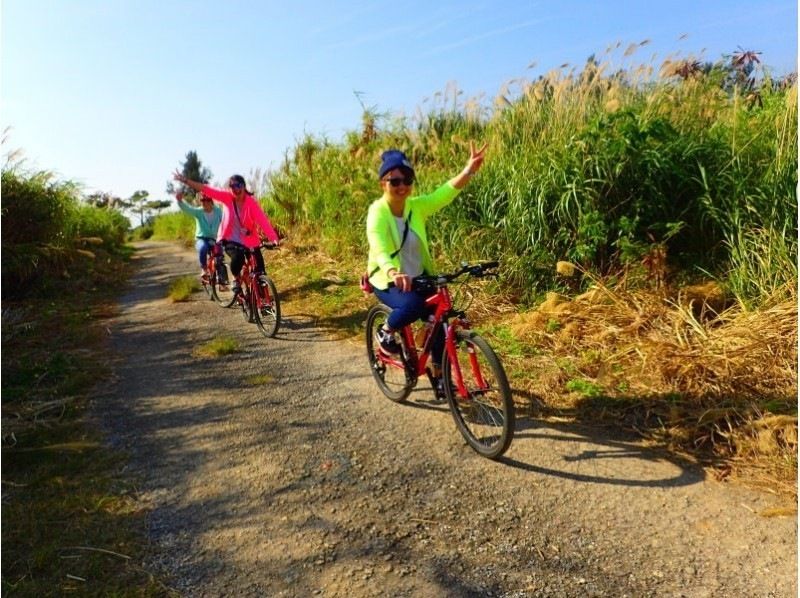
(313, 325)
(580, 451)
(592, 453)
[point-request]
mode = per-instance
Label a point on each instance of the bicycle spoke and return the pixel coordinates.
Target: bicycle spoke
(389, 371)
(486, 416)
(267, 312)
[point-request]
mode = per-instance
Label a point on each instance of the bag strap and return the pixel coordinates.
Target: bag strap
(403, 242)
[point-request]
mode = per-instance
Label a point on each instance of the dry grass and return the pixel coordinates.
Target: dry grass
(71, 522)
(722, 386)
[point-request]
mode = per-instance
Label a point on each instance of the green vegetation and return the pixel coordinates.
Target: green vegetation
(70, 522)
(182, 288)
(192, 168)
(586, 388)
(49, 235)
(625, 172)
(259, 380)
(175, 226)
(217, 347)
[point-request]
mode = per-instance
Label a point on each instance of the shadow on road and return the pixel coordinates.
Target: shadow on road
(584, 448)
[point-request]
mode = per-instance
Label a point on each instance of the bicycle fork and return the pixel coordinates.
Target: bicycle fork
(451, 348)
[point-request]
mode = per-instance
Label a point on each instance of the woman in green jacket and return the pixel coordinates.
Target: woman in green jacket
(398, 242)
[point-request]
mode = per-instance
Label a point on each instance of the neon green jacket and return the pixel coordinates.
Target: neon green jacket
(384, 238)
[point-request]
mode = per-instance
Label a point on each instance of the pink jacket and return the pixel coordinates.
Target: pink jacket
(251, 215)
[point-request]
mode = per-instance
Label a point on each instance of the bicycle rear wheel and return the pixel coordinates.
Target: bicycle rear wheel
(389, 370)
(485, 417)
(267, 309)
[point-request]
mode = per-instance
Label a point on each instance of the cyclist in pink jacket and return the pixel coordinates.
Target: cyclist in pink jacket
(242, 219)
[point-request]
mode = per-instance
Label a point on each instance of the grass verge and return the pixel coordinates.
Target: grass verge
(217, 347)
(182, 288)
(71, 521)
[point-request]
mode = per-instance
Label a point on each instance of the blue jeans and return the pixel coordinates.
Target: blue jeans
(407, 308)
(203, 246)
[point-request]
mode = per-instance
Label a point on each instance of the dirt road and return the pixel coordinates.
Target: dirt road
(281, 471)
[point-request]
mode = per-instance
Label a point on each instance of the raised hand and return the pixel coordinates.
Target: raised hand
(476, 157)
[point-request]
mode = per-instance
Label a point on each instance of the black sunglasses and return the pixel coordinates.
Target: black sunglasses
(236, 185)
(405, 180)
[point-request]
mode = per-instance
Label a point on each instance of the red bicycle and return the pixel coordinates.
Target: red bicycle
(259, 300)
(475, 383)
(216, 284)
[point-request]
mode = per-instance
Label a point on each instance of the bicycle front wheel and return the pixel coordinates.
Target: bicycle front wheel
(245, 299)
(485, 416)
(223, 292)
(389, 371)
(208, 287)
(267, 309)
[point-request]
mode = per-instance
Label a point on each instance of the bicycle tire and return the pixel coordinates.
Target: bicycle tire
(267, 309)
(486, 417)
(392, 380)
(246, 303)
(210, 285)
(225, 295)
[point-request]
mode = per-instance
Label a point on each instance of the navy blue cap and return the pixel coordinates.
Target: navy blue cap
(391, 159)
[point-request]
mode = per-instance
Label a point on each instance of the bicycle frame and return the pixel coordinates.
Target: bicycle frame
(418, 357)
(473, 381)
(246, 277)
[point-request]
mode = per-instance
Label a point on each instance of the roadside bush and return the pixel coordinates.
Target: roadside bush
(174, 226)
(47, 229)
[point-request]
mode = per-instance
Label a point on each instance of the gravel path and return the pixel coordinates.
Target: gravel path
(282, 471)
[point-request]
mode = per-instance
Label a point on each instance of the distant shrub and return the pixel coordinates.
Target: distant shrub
(46, 229)
(174, 226)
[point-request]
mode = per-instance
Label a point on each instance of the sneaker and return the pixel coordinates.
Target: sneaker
(439, 389)
(387, 342)
(262, 280)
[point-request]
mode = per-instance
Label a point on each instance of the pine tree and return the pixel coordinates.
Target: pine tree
(192, 168)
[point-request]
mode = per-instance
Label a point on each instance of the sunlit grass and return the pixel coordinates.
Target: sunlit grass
(182, 288)
(597, 164)
(218, 347)
(260, 380)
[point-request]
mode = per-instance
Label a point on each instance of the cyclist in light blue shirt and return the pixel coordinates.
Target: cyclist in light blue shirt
(207, 218)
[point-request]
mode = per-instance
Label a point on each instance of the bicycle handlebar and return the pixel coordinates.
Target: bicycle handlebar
(475, 270)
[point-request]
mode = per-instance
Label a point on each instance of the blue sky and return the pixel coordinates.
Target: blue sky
(113, 93)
